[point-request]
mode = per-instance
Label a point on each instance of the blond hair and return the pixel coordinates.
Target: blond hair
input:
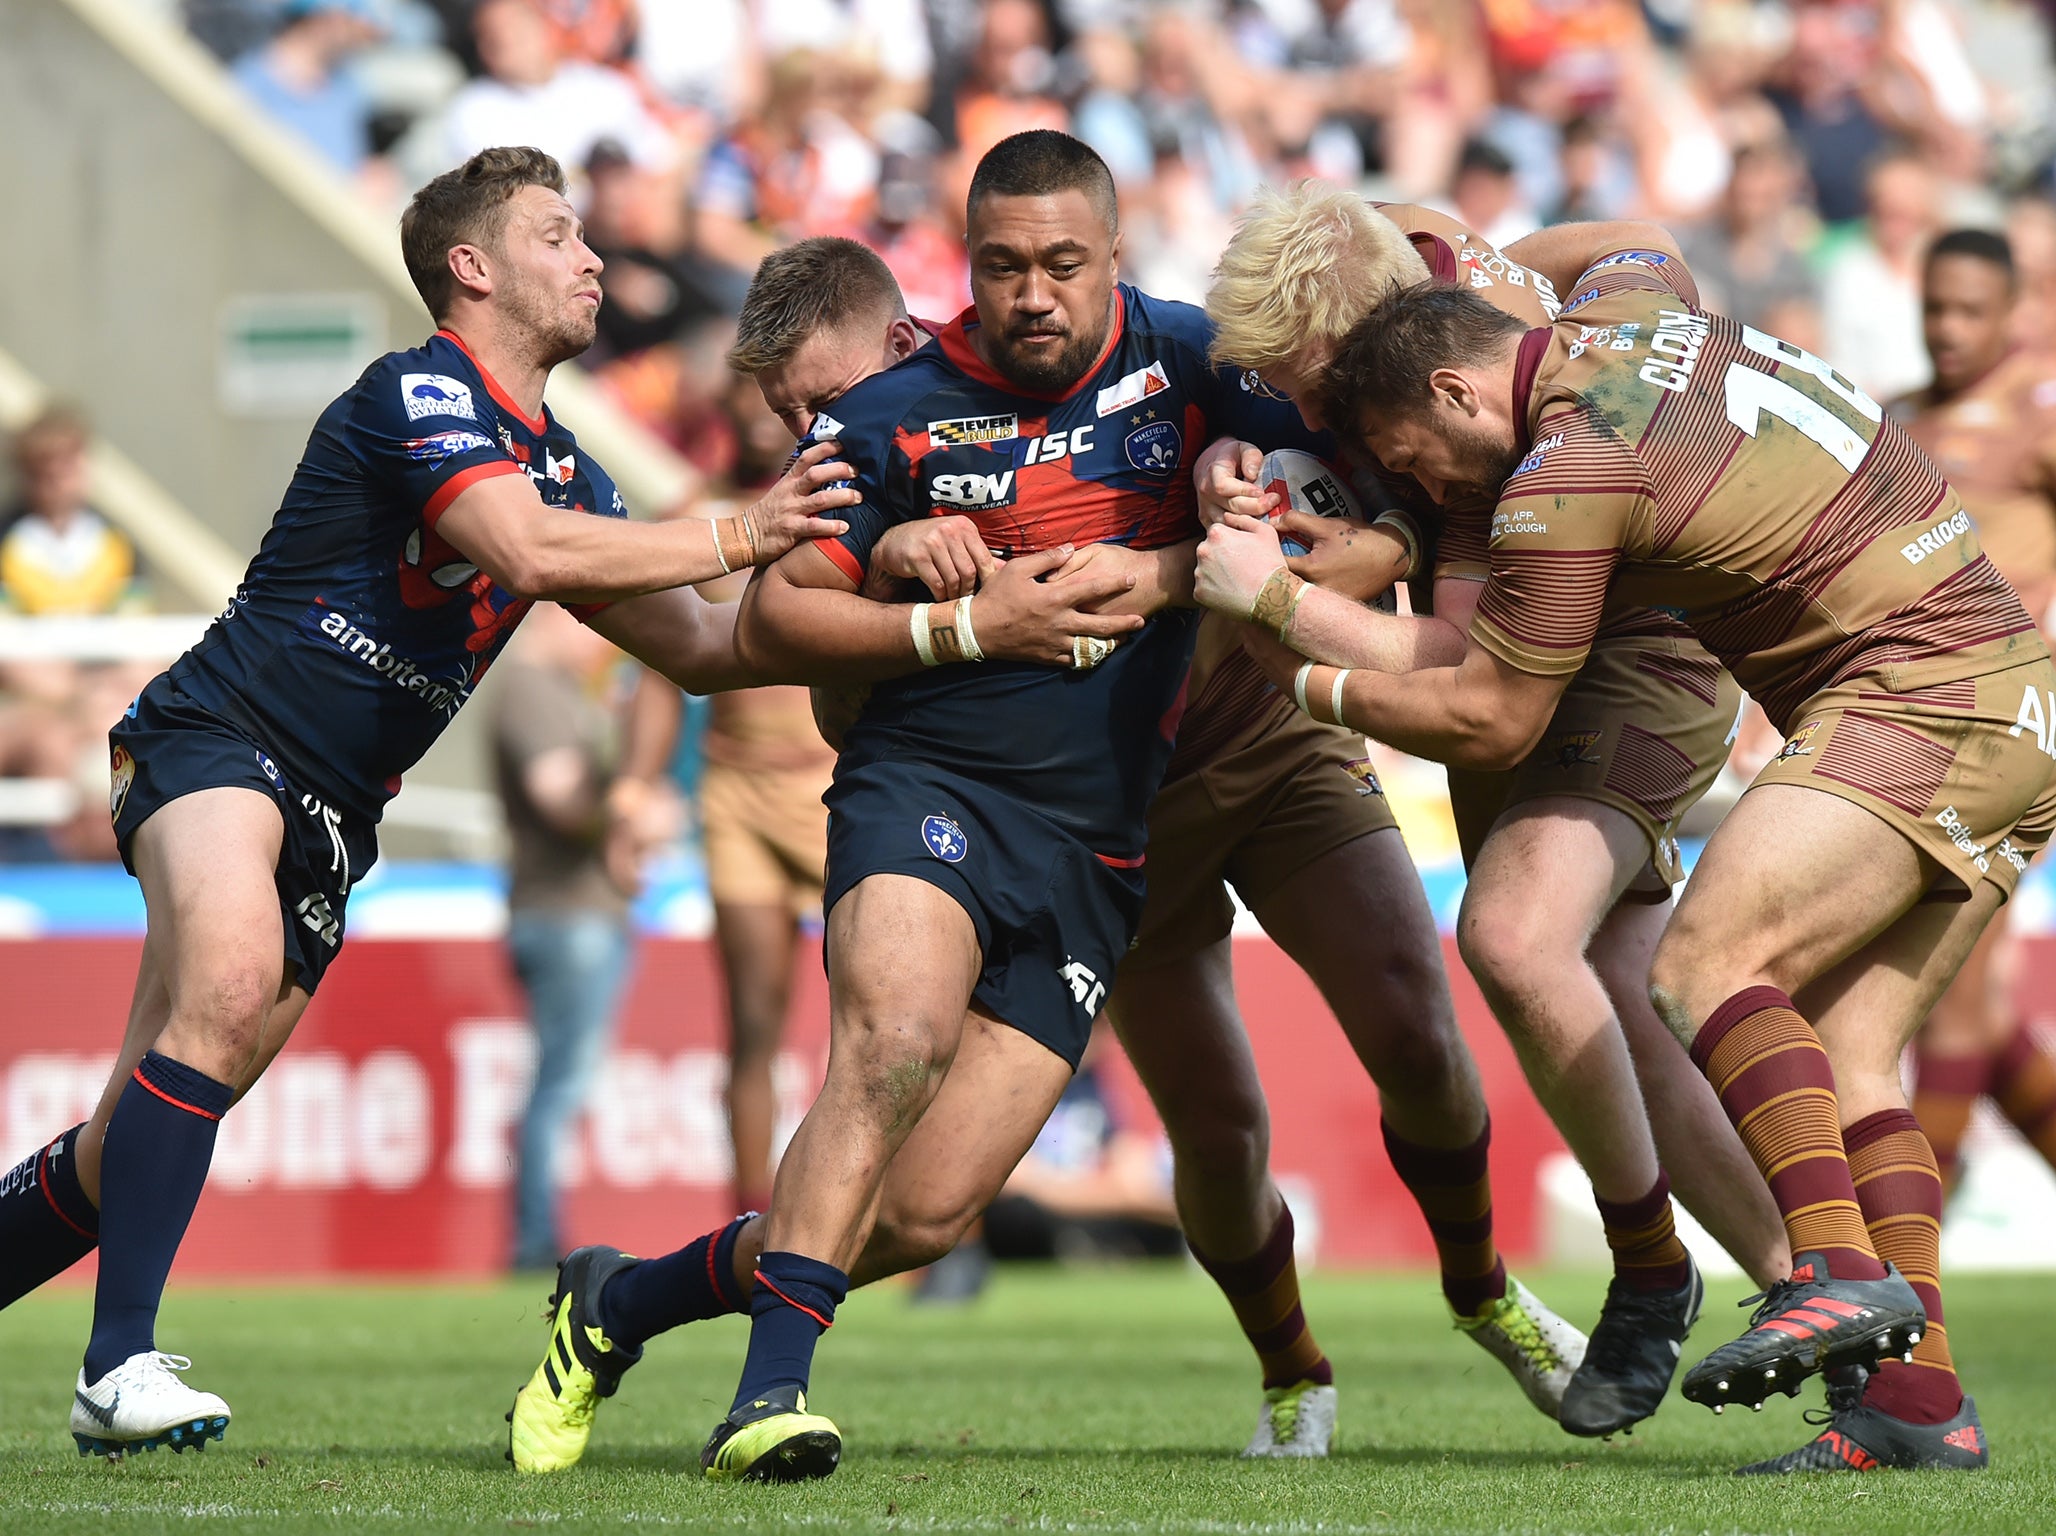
(1304, 265)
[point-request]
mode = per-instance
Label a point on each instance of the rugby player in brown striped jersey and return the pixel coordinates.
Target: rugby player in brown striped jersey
(1748, 487)
(1989, 422)
(1636, 740)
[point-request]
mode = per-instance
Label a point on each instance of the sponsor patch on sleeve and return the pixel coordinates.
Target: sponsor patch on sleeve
(435, 394)
(1133, 388)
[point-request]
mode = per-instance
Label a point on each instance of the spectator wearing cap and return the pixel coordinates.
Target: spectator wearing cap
(302, 80)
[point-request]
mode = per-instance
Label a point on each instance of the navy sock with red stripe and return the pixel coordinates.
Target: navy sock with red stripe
(688, 1286)
(793, 1305)
(152, 1168)
(46, 1222)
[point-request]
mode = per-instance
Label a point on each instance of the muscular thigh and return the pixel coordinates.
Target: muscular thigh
(1583, 853)
(208, 865)
(1791, 884)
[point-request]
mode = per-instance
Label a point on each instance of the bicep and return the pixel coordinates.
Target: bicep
(493, 522)
(1456, 600)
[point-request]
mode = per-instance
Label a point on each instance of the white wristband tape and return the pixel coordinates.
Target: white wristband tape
(714, 528)
(967, 641)
(923, 646)
(1335, 697)
(1299, 687)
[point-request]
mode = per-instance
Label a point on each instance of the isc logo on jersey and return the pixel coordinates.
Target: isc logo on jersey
(435, 394)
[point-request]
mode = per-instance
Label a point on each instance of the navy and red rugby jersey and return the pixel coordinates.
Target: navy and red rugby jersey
(357, 631)
(1108, 460)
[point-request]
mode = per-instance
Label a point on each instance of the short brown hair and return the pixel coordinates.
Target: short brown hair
(467, 206)
(816, 285)
(1387, 357)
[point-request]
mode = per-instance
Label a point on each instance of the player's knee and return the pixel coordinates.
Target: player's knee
(1672, 992)
(1506, 949)
(217, 1022)
(907, 1239)
(892, 1062)
(1228, 1147)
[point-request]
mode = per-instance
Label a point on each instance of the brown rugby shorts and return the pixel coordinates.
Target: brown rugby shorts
(1254, 816)
(1644, 727)
(1964, 770)
(766, 835)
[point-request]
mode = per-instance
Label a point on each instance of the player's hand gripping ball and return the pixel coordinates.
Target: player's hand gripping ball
(1305, 483)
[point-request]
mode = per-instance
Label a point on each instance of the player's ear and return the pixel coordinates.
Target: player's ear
(1114, 256)
(902, 338)
(1451, 388)
(472, 268)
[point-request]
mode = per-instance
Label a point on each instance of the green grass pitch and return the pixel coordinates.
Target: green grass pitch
(1079, 1400)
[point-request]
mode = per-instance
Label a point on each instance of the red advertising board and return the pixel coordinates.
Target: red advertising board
(381, 1141)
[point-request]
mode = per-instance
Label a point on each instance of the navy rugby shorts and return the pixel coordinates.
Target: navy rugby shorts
(1053, 919)
(167, 746)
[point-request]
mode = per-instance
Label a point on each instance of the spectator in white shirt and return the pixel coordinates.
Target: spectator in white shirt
(531, 94)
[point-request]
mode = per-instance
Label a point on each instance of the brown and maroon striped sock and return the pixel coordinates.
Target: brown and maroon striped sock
(1264, 1291)
(1774, 1081)
(1647, 1255)
(1946, 1089)
(1453, 1188)
(2024, 1087)
(1901, 1192)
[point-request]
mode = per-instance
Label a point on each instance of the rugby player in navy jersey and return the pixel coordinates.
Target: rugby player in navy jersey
(987, 819)
(1302, 835)
(436, 501)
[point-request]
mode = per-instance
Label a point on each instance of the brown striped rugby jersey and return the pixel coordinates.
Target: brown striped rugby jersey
(1679, 460)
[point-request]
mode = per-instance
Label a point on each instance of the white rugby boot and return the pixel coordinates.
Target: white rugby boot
(140, 1405)
(1540, 1349)
(1298, 1420)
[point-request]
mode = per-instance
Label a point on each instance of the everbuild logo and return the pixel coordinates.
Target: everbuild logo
(441, 694)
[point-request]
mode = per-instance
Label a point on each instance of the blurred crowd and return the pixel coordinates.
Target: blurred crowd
(1805, 152)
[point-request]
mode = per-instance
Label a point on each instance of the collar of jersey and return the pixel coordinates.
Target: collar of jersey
(956, 346)
(1527, 362)
(536, 424)
(1436, 253)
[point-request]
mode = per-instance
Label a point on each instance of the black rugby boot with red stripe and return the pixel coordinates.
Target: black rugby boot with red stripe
(1809, 1323)
(1859, 1439)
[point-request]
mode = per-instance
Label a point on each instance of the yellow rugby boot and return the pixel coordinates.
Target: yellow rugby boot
(772, 1440)
(552, 1416)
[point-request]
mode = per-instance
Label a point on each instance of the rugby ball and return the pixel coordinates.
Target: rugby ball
(1307, 484)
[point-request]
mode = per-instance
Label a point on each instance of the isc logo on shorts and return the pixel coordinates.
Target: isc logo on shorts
(945, 839)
